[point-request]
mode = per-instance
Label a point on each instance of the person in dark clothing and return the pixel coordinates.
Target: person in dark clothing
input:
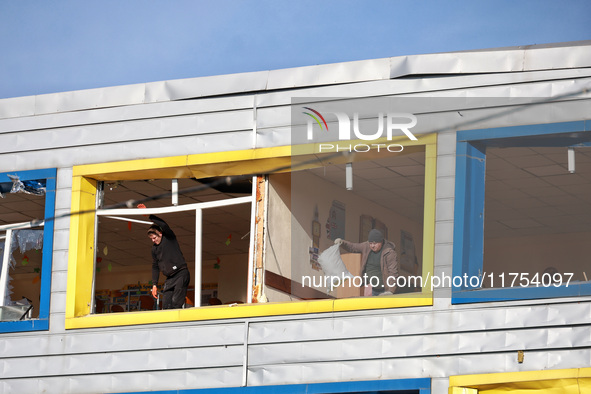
(168, 259)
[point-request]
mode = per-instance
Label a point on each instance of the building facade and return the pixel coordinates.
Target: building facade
(476, 165)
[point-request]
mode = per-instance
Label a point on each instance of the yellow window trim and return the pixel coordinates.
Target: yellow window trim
(567, 381)
(198, 166)
(264, 160)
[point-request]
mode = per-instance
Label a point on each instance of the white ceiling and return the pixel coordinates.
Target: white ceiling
(395, 181)
(530, 191)
(20, 208)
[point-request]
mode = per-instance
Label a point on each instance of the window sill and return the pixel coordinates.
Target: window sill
(24, 325)
(236, 311)
(520, 293)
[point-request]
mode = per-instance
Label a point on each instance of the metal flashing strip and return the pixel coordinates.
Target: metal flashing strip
(503, 60)
(521, 84)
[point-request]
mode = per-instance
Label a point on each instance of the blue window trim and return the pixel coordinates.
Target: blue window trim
(42, 322)
(468, 236)
(423, 385)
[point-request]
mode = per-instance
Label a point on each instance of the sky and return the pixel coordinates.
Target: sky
(64, 45)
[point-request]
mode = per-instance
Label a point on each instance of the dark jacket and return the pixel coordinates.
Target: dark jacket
(166, 256)
(388, 260)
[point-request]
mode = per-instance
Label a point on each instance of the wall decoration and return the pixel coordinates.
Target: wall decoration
(366, 223)
(316, 232)
(335, 224)
(407, 257)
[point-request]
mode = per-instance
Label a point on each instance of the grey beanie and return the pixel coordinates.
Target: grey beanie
(375, 235)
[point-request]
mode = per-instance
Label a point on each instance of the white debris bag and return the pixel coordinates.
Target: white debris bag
(332, 264)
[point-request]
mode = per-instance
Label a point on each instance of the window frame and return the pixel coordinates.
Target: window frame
(42, 322)
(422, 385)
(468, 238)
(255, 161)
(197, 209)
(553, 379)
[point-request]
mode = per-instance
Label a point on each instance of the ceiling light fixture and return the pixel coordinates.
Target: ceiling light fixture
(349, 176)
(175, 192)
(571, 159)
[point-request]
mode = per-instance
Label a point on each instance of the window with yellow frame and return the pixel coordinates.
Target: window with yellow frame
(566, 381)
(229, 232)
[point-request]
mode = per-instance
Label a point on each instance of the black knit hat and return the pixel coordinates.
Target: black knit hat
(375, 235)
(154, 229)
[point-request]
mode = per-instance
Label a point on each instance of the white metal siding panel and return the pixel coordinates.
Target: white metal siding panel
(186, 358)
(126, 113)
(493, 61)
(207, 86)
(422, 321)
(434, 366)
(122, 340)
(110, 133)
(124, 382)
(173, 146)
(88, 99)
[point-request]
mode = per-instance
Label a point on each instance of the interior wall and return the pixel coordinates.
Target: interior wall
(568, 253)
(277, 256)
(25, 282)
(233, 278)
(28, 286)
(119, 277)
(355, 206)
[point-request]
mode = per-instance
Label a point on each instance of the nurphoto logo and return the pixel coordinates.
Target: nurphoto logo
(393, 121)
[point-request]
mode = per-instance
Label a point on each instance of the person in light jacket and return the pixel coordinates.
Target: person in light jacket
(379, 262)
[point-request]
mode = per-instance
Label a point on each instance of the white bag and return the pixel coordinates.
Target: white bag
(332, 264)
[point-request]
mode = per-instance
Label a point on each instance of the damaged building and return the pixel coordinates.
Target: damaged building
(476, 165)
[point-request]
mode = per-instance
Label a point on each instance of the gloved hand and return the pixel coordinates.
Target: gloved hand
(338, 241)
(386, 293)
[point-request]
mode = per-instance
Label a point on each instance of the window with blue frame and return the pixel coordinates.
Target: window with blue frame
(394, 386)
(522, 219)
(27, 206)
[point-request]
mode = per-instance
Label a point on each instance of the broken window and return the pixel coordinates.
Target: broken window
(212, 226)
(538, 216)
(242, 243)
(305, 212)
(525, 215)
(26, 237)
